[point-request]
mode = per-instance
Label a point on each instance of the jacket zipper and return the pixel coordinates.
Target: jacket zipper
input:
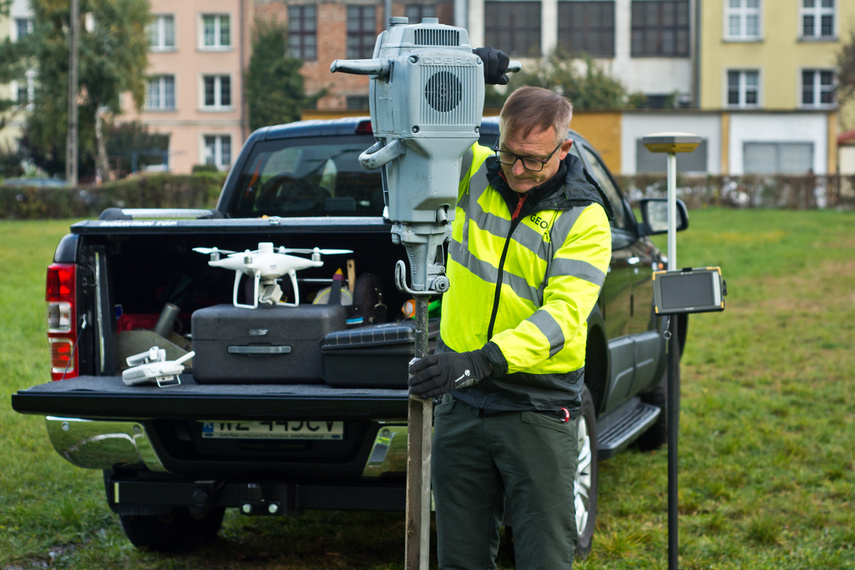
(515, 220)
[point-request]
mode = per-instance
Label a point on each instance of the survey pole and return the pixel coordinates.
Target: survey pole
(671, 144)
(672, 211)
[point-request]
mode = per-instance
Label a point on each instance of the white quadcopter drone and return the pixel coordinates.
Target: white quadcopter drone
(265, 265)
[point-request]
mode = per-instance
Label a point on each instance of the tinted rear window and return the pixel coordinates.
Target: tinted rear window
(318, 176)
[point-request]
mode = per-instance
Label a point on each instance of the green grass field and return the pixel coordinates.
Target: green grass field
(767, 475)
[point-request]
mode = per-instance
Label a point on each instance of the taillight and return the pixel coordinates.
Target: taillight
(364, 128)
(62, 320)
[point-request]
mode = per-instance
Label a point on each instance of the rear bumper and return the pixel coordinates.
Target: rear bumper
(103, 444)
(116, 444)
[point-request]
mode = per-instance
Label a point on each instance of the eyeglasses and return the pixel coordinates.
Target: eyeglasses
(529, 163)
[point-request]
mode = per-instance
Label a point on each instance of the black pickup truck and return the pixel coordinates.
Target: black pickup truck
(270, 430)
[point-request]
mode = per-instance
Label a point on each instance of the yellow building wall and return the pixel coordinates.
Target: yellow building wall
(603, 130)
(779, 55)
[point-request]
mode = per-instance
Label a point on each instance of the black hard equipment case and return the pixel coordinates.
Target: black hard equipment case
(269, 344)
(374, 356)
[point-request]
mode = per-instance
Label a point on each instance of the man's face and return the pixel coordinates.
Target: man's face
(539, 145)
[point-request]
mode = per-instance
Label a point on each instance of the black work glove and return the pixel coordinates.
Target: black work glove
(495, 64)
(437, 374)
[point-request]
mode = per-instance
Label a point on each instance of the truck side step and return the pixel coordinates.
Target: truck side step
(626, 428)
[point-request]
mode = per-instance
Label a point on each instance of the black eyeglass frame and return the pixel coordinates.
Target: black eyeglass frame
(496, 150)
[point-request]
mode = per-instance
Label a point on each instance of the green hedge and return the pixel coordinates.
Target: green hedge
(199, 190)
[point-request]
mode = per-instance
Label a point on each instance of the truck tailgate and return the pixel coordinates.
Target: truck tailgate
(105, 397)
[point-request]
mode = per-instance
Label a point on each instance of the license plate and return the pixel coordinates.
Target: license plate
(273, 430)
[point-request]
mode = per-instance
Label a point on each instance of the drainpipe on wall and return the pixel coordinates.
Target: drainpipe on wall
(832, 167)
(461, 12)
(696, 58)
(725, 143)
(242, 66)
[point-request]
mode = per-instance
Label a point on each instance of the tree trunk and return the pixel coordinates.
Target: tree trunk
(103, 164)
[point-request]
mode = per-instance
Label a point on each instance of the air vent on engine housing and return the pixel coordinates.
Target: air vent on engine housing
(434, 37)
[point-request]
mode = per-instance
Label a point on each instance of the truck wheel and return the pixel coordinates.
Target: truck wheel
(585, 486)
(178, 531)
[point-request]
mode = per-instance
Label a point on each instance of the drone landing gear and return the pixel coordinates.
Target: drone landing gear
(265, 291)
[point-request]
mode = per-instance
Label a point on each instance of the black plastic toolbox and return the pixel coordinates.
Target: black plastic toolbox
(373, 356)
(270, 344)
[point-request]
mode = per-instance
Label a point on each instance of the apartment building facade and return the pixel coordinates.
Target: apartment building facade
(648, 44)
(764, 80)
(772, 54)
(769, 66)
(758, 74)
(18, 24)
(321, 31)
(199, 50)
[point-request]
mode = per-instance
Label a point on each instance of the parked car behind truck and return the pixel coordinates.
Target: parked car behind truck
(332, 436)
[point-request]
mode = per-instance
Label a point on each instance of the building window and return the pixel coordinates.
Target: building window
(818, 19)
(361, 32)
(513, 25)
(357, 102)
(160, 95)
(777, 157)
(20, 93)
(23, 27)
(742, 19)
(24, 92)
(303, 32)
(161, 32)
(743, 88)
(587, 27)
(415, 13)
(218, 91)
(818, 87)
(660, 28)
(218, 151)
(216, 31)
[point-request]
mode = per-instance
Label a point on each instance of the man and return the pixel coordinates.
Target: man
(529, 253)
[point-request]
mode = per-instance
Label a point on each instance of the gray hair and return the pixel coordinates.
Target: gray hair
(535, 109)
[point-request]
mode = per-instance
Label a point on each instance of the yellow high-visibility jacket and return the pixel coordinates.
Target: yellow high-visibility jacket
(522, 288)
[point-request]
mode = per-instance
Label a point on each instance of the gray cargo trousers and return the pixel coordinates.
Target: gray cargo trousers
(482, 464)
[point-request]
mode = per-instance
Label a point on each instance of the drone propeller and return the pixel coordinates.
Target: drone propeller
(209, 250)
(314, 250)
